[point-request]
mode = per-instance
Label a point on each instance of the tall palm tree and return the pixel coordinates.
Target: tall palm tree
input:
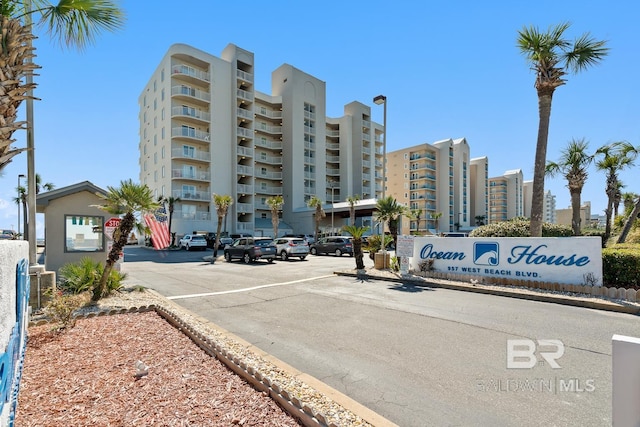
(275, 203)
(128, 199)
(417, 213)
(617, 199)
(316, 203)
(171, 202)
(573, 165)
(23, 198)
(389, 212)
(72, 23)
(633, 216)
(436, 218)
(613, 158)
(552, 56)
(356, 233)
(353, 201)
(222, 203)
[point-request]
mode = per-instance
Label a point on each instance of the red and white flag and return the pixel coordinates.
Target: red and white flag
(157, 222)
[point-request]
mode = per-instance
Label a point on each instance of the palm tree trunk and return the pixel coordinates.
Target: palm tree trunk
(537, 193)
(575, 210)
(629, 222)
(357, 250)
(217, 242)
(120, 240)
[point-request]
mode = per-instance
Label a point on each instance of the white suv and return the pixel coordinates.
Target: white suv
(288, 247)
(193, 241)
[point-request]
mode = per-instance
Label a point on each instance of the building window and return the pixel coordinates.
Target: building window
(163, 176)
(155, 104)
(155, 140)
(162, 75)
(162, 133)
(155, 158)
(155, 85)
(162, 152)
(162, 114)
(162, 95)
(83, 233)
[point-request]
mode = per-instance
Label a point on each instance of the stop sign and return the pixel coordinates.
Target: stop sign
(110, 226)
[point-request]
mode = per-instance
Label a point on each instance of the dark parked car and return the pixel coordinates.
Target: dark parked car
(337, 245)
(245, 248)
(267, 247)
(211, 240)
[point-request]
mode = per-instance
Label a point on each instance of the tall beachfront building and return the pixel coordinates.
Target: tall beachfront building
(440, 182)
(205, 129)
(506, 196)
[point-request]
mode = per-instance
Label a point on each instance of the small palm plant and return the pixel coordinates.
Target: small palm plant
(275, 203)
(356, 233)
(222, 202)
(316, 203)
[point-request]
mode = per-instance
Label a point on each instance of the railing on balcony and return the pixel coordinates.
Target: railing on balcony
(262, 111)
(191, 112)
(366, 137)
(245, 170)
(333, 171)
(244, 189)
(245, 95)
(191, 92)
(194, 175)
(332, 132)
(366, 163)
(366, 190)
(197, 215)
(310, 130)
(202, 196)
(204, 156)
(190, 133)
(269, 129)
(269, 190)
(272, 160)
(244, 113)
(366, 123)
(248, 133)
(244, 151)
(270, 175)
(183, 69)
(244, 207)
(310, 145)
(243, 75)
(333, 159)
(310, 175)
(274, 145)
(244, 226)
(310, 115)
(332, 146)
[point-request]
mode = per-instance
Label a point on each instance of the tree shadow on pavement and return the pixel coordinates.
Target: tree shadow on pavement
(409, 287)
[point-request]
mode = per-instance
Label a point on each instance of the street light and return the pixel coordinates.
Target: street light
(19, 202)
(332, 184)
(381, 99)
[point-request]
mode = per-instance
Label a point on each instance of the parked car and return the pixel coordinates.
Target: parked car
(337, 245)
(245, 249)
(211, 240)
(267, 247)
(193, 241)
(7, 234)
(288, 247)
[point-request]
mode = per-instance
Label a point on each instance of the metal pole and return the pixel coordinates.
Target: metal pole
(332, 207)
(31, 168)
(19, 202)
(384, 150)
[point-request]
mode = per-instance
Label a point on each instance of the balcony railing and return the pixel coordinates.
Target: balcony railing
(244, 189)
(245, 132)
(243, 75)
(274, 145)
(202, 196)
(272, 160)
(244, 113)
(245, 170)
(178, 153)
(197, 215)
(195, 175)
(333, 171)
(244, 207)
(190, 133)
(269, 129)
(269, 190)
(244, 151)
(261, 111)
(191, 92)
(190, 112)
(270, 175)
(333, 146)
(332, 132)
(243, 94)
(244, 226)
(186, 70)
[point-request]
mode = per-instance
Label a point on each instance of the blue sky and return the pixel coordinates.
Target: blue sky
(448, 69)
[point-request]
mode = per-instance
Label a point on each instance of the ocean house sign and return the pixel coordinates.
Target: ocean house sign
(574, 260)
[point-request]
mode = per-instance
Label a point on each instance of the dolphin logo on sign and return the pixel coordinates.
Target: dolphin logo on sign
(486, 253)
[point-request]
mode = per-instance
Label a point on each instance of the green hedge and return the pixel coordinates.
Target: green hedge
(519, 227)
(621, 266)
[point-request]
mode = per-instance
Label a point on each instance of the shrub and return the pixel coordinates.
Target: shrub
(621, 266)
(76, 278)
(519, 227)
(594, 232)
(61, 306)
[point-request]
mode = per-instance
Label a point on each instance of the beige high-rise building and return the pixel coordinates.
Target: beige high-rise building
(205, 129)
(479, 188)
(505, 196)
(436, 180)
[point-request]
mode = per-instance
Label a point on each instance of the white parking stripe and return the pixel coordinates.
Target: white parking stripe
(234, 291)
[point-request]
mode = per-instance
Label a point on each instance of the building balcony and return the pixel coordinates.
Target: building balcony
(270, 190)
(244, 113)
(366, 124)
(261, 127)
(366, 137)
(332, 133)
(190, 94)
(309, 115)
(271, 160)
(245, 170)
(366, 163)
(244, 132)
(273, 145)
(191, 115)
(310, 130)
(244, 226)
(244, 151)
(244, 76)
(270, 175)
(333, 159)
(200, 196)
(332, 146)
(190, 175)
(201, 156)
(187, 134)
(244, 189)
(333, 172)
(188, 73)
(243, 94)
(197, 215)
(265, 112)
(244, 207)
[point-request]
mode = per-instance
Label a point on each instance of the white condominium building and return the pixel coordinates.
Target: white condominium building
(205, 129)
(506, 196)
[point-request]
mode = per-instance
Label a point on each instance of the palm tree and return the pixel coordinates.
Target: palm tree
(129, 199)
(436, 218)
(222, 202)
(573, 165)
(417, 213)
(353, 201)
(551, 56)
(480, 219)
(23, 197)
(389, 212)
(73, 23)
(356, 233)
(315, 202)
(615, 157)
(617, 199)
(633, 216)
(171, 201)
(275, 203)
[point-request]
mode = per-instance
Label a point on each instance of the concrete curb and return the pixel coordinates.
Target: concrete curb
(594, 303)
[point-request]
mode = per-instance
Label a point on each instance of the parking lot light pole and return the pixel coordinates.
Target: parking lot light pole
(382, 99)
(19, 203)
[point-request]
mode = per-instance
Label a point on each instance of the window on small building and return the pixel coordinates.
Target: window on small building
(83, 233)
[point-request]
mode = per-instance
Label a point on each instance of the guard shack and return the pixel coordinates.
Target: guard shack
(74, 226)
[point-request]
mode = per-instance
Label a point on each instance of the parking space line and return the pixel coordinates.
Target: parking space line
(234, 291)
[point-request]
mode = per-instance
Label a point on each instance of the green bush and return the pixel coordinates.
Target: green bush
(83, 276)
(595, 232)
(519, 227)
(61, 306)
(621, 266)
